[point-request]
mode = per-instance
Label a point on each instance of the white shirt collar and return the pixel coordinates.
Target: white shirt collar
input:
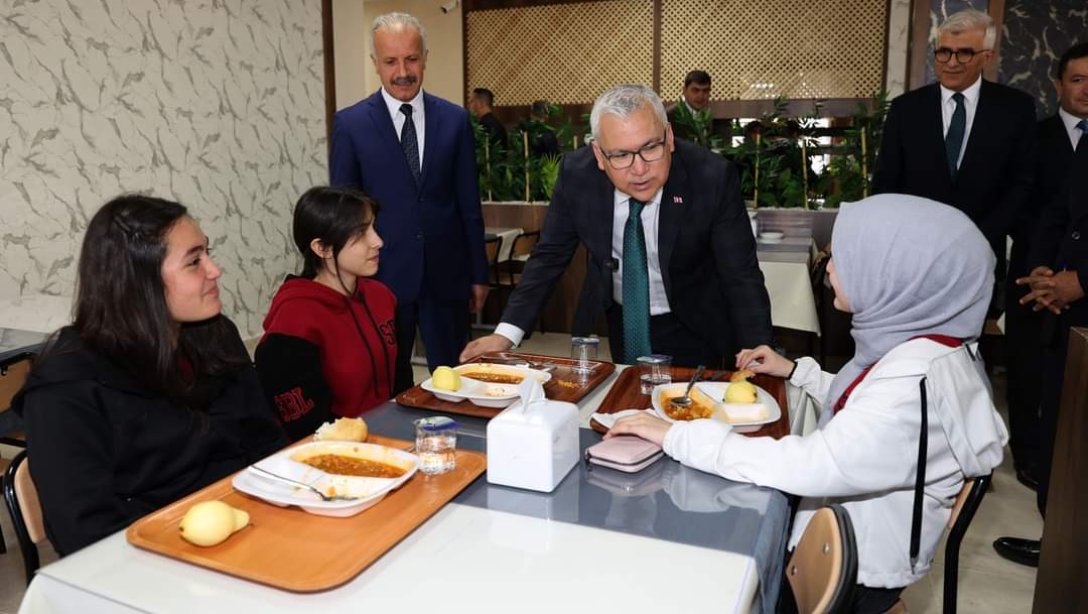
(1070, 122)
(970, 94)
(394, 105)
(622, 198)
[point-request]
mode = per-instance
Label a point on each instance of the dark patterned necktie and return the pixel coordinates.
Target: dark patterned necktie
(408, 141)
(636, 287)
(953, 141)
(1083, 126)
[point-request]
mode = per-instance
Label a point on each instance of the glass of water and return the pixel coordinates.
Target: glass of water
(584, 352)
(653, 370)
(436, 444)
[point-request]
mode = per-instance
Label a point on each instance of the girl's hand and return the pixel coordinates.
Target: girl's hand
(764, 360)
(651, 428)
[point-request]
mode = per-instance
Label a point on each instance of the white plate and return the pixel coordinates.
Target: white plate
(369, 490)
(714, 392)
(771, 237)
(485, 394)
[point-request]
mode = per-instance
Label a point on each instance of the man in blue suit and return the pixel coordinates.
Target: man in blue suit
(414, 153)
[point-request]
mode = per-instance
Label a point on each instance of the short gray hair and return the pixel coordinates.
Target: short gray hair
(396, 21)
(968, 20)
(621, 101)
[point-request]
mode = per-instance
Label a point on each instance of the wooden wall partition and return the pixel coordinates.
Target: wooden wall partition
(1060, 585)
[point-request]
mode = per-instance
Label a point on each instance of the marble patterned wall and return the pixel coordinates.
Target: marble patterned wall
(899, 16)
(216, 103)
(1035, 36)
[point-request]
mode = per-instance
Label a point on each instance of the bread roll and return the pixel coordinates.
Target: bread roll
(344, 429)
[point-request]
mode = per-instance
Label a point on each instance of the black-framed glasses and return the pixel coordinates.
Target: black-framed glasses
(963, 56)
(651, 152)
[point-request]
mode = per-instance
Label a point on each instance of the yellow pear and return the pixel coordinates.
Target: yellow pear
(740, 392)
(211, 522)
(445, 378)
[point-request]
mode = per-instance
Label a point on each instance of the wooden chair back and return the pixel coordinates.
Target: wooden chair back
(823, 569)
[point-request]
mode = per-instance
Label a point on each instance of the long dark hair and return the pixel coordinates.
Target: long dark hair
(333, 216)
(121, 308)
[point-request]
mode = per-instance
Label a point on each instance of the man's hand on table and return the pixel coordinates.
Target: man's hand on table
(650, 428)
(483, 345)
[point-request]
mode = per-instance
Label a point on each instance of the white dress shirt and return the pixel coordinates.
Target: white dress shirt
(398, 117)
(970, 104)
(1071, 128)
(659, 302)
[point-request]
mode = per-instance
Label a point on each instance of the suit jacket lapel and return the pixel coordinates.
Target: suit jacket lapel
(976, 140)
(387, 132)
(431, 124)
(675, 198)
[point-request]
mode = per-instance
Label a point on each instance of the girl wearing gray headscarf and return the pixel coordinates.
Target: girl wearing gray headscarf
(917, 276)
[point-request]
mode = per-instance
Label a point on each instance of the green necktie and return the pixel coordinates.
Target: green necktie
(636, 287)
(953, 141)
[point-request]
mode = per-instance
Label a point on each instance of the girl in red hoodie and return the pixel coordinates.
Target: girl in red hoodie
(329, 342)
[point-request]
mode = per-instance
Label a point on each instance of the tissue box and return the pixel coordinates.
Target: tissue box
(533, 448)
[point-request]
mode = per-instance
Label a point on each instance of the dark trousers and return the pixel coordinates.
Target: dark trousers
(444, 328)
(668, 335)
(1023, 359)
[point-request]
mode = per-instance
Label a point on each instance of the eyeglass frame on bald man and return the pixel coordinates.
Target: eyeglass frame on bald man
(658, 145)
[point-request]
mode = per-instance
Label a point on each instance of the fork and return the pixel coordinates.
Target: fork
(280, 478)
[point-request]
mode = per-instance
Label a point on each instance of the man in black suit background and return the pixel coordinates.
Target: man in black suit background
(672, 261)
(481, 104)
(963, 141)
(1055, 140)
(696, 97)
(1058, 260)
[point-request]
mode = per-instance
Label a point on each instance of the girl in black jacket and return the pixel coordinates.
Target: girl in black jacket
(149, 395)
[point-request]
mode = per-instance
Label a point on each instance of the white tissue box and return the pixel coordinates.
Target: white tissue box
(535, 448)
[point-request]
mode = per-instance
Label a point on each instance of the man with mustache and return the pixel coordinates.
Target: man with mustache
(963, 141)
(414, 154)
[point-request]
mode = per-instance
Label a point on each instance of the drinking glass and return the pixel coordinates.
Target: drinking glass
(652, 371)
(436, 444)
(584, 351)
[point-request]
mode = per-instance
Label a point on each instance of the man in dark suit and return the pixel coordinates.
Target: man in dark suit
(481, 105)
(696, 98)
(964, 141)
(1055, 140)
(1058, 260)
(414, 153)
(672, 261)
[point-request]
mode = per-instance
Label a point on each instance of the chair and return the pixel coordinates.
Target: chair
(13, 373)
(21, 499)
(491, 249)
(967, 503)
(519, 255)
(824, 567)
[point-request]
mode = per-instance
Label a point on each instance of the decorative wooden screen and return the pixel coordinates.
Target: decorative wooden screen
(569, 53)
(563, 53)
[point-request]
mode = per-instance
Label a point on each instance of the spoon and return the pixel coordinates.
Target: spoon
(279, 478)
(684, 401)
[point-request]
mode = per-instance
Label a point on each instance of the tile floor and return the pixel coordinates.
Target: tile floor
(987, 583)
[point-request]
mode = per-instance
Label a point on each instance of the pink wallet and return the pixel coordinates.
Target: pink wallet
(626, 453)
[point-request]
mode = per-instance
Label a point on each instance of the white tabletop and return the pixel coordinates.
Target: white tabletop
(464, 559)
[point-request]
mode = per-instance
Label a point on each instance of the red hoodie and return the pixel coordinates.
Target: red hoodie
(324, 355)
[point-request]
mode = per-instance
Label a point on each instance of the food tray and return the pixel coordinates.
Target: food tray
(564, 385)
(289, 549)
(625, 394)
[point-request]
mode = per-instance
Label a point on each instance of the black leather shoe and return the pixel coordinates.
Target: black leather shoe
(1017, 550)
(1027, 478)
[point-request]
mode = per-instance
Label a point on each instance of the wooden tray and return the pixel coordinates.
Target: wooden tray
(290, 549)
(564, 385)
(625, 394)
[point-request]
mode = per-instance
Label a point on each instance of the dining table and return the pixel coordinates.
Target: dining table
(666, 539)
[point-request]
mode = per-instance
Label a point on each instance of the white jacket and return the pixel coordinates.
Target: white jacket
(866, 457)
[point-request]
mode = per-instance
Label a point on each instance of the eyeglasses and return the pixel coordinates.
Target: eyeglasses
(651, 152)
(963, 56)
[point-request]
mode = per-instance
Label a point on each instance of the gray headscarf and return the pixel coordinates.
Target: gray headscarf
(909, 266)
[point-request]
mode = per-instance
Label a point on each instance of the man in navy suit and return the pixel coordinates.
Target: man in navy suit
(672, 261)
(1058, 261)
(964, 141)
(414, 153)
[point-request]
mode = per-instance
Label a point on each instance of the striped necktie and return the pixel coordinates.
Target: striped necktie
(409, 142)
(953, 141)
